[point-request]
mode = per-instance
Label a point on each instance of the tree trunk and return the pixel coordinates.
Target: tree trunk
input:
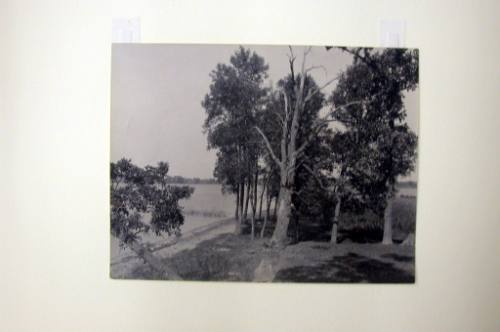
(247, 199)
(269, 200)
(254, 202)
(387, 239)
(153, 261)
(284, 204)
(264, 185)
(239, 222)
(296, 228)
(242, 197)
(275, 213)
(237, 211)
(266, 217)
(335, 225)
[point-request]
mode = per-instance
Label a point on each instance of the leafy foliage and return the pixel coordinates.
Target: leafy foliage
(234, 98)
(135, 192)
(379, 144)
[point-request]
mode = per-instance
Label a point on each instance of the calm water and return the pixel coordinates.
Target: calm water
(407, 192)
(208, 199)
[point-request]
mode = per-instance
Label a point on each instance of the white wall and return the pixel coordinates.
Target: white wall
(54, 150)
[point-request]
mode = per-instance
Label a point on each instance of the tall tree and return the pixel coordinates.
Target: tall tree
(136, 191)
(235, 96)
(294, 138)
(386, 146)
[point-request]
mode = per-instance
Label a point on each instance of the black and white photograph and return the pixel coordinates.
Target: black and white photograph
(261, 163)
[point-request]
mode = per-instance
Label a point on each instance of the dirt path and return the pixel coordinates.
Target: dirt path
(195, 236)
(123, 265)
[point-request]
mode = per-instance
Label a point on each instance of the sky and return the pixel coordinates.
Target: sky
(156, 94)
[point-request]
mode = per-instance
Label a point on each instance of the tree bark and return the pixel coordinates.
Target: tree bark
(239, 222)
(269, 200)
(153, 261)
(335, 225)
(254, 202)
(264, 186)
(247, 199)
(284, 203)
(275, 212)
(237, 211)
(242, 197)
(266, 217)
(387, 238)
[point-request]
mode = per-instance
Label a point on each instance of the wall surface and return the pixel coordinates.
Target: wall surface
(54, 154)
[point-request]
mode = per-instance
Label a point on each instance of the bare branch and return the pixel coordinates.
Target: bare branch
(286, 104)
(291, 60)
(313, 92)
(268, 146)
(284, 133)
(307, 51)
(291, 52)
(351, 103)
(334, 109)
(317, 67)
(363, 58)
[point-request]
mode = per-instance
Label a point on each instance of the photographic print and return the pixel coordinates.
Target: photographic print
(263, 163)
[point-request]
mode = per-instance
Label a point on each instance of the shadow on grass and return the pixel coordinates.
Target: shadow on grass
(351, 268)
(399, 258)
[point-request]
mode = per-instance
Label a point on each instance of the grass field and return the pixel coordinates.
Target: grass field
(237, 258)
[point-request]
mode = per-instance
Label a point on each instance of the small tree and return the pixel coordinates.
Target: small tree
(135, 192)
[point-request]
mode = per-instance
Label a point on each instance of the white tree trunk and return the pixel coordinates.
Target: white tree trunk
(280, 236)
(266, 217)
(333, 238)
(237, 211)
(387, 239)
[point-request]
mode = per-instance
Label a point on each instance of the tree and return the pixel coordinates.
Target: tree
(235, 96)
(135, 192)
(291, 150)
(386, 147)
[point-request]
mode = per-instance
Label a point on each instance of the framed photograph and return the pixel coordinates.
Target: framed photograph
(264, 163)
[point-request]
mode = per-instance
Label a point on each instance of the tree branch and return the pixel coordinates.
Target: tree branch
(268, 145)
(313, 92)
(316, 129)
(291, 60)
(286, 104)
(306, 167)
(317, 67)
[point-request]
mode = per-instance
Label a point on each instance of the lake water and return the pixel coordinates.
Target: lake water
(205, 205)
(208, 204)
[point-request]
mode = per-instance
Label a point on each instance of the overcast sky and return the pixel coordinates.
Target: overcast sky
(156, 94)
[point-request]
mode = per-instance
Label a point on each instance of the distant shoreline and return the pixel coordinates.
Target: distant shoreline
(402, 184)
